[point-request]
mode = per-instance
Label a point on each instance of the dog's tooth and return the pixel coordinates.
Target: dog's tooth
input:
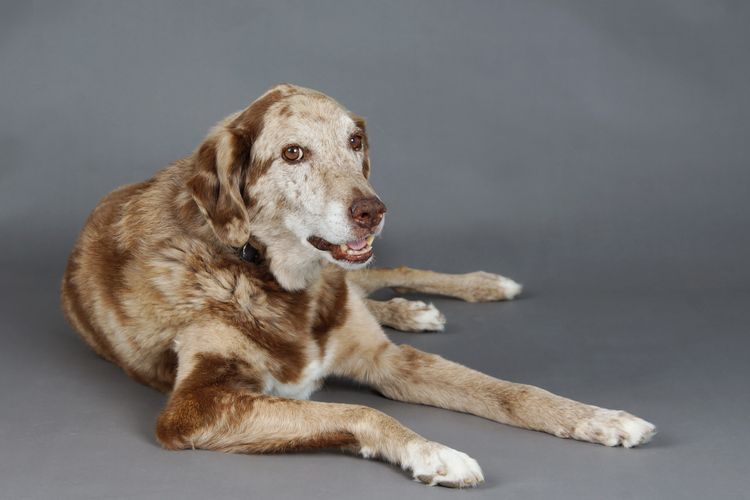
(343, 247)
(370, 239)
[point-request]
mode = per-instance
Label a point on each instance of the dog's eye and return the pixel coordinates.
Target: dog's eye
(293, 153)
(355, 142)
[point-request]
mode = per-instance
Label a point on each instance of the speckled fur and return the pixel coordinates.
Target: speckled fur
(155, 285)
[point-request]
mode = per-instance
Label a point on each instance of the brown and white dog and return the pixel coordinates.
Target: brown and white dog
(233, 280)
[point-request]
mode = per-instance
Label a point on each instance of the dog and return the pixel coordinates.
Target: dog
(235, 280)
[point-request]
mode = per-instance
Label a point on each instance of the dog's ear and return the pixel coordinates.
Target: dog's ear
(218, 184)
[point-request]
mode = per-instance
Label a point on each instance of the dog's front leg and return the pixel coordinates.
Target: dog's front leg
(217, 404)
(407, 374)
(478, 286)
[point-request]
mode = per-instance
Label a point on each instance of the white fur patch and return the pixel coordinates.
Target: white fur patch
(615, 428)
(309, 381)
(427, 317)
(435, 464)
(510, 288)
(366, 452)
(480, 286)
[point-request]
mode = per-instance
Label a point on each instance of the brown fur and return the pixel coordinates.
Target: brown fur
(156, 285)
(362, 126)
(77, 316)
(331, 311)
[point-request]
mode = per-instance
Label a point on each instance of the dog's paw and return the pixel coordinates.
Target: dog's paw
(437, 465)
(416, 316)
(614, 428)
(484, 287)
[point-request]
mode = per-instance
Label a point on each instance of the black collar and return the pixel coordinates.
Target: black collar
(249, 253)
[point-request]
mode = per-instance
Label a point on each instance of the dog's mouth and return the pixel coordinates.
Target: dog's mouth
(356, 251)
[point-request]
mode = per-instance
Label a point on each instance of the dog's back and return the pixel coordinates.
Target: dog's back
(98, 281)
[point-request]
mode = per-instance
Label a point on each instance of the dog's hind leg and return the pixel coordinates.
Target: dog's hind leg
(478, 286)
(407, 315)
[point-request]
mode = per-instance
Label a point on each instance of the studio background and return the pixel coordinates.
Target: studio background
(597, 152)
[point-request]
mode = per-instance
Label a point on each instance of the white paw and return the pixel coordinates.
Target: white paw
(426, 317)
(417, 316)
(510, 288)
(435, 464)
(485, 287)
(614, 428)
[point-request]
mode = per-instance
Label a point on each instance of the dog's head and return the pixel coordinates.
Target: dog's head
(291, 169)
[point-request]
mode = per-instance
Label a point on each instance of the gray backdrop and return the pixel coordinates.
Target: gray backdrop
(595, 151)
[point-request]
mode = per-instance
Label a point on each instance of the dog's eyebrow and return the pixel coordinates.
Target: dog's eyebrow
(359, 122)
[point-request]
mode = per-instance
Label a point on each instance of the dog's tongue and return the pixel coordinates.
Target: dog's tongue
(357, 245)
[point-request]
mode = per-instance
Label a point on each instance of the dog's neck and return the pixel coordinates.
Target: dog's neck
(294, 264)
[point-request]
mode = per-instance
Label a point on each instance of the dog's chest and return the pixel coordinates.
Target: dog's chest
(307, 356)
(291, 329)
(309, 380)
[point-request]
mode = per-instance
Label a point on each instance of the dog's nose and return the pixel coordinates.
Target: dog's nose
(367, 212)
